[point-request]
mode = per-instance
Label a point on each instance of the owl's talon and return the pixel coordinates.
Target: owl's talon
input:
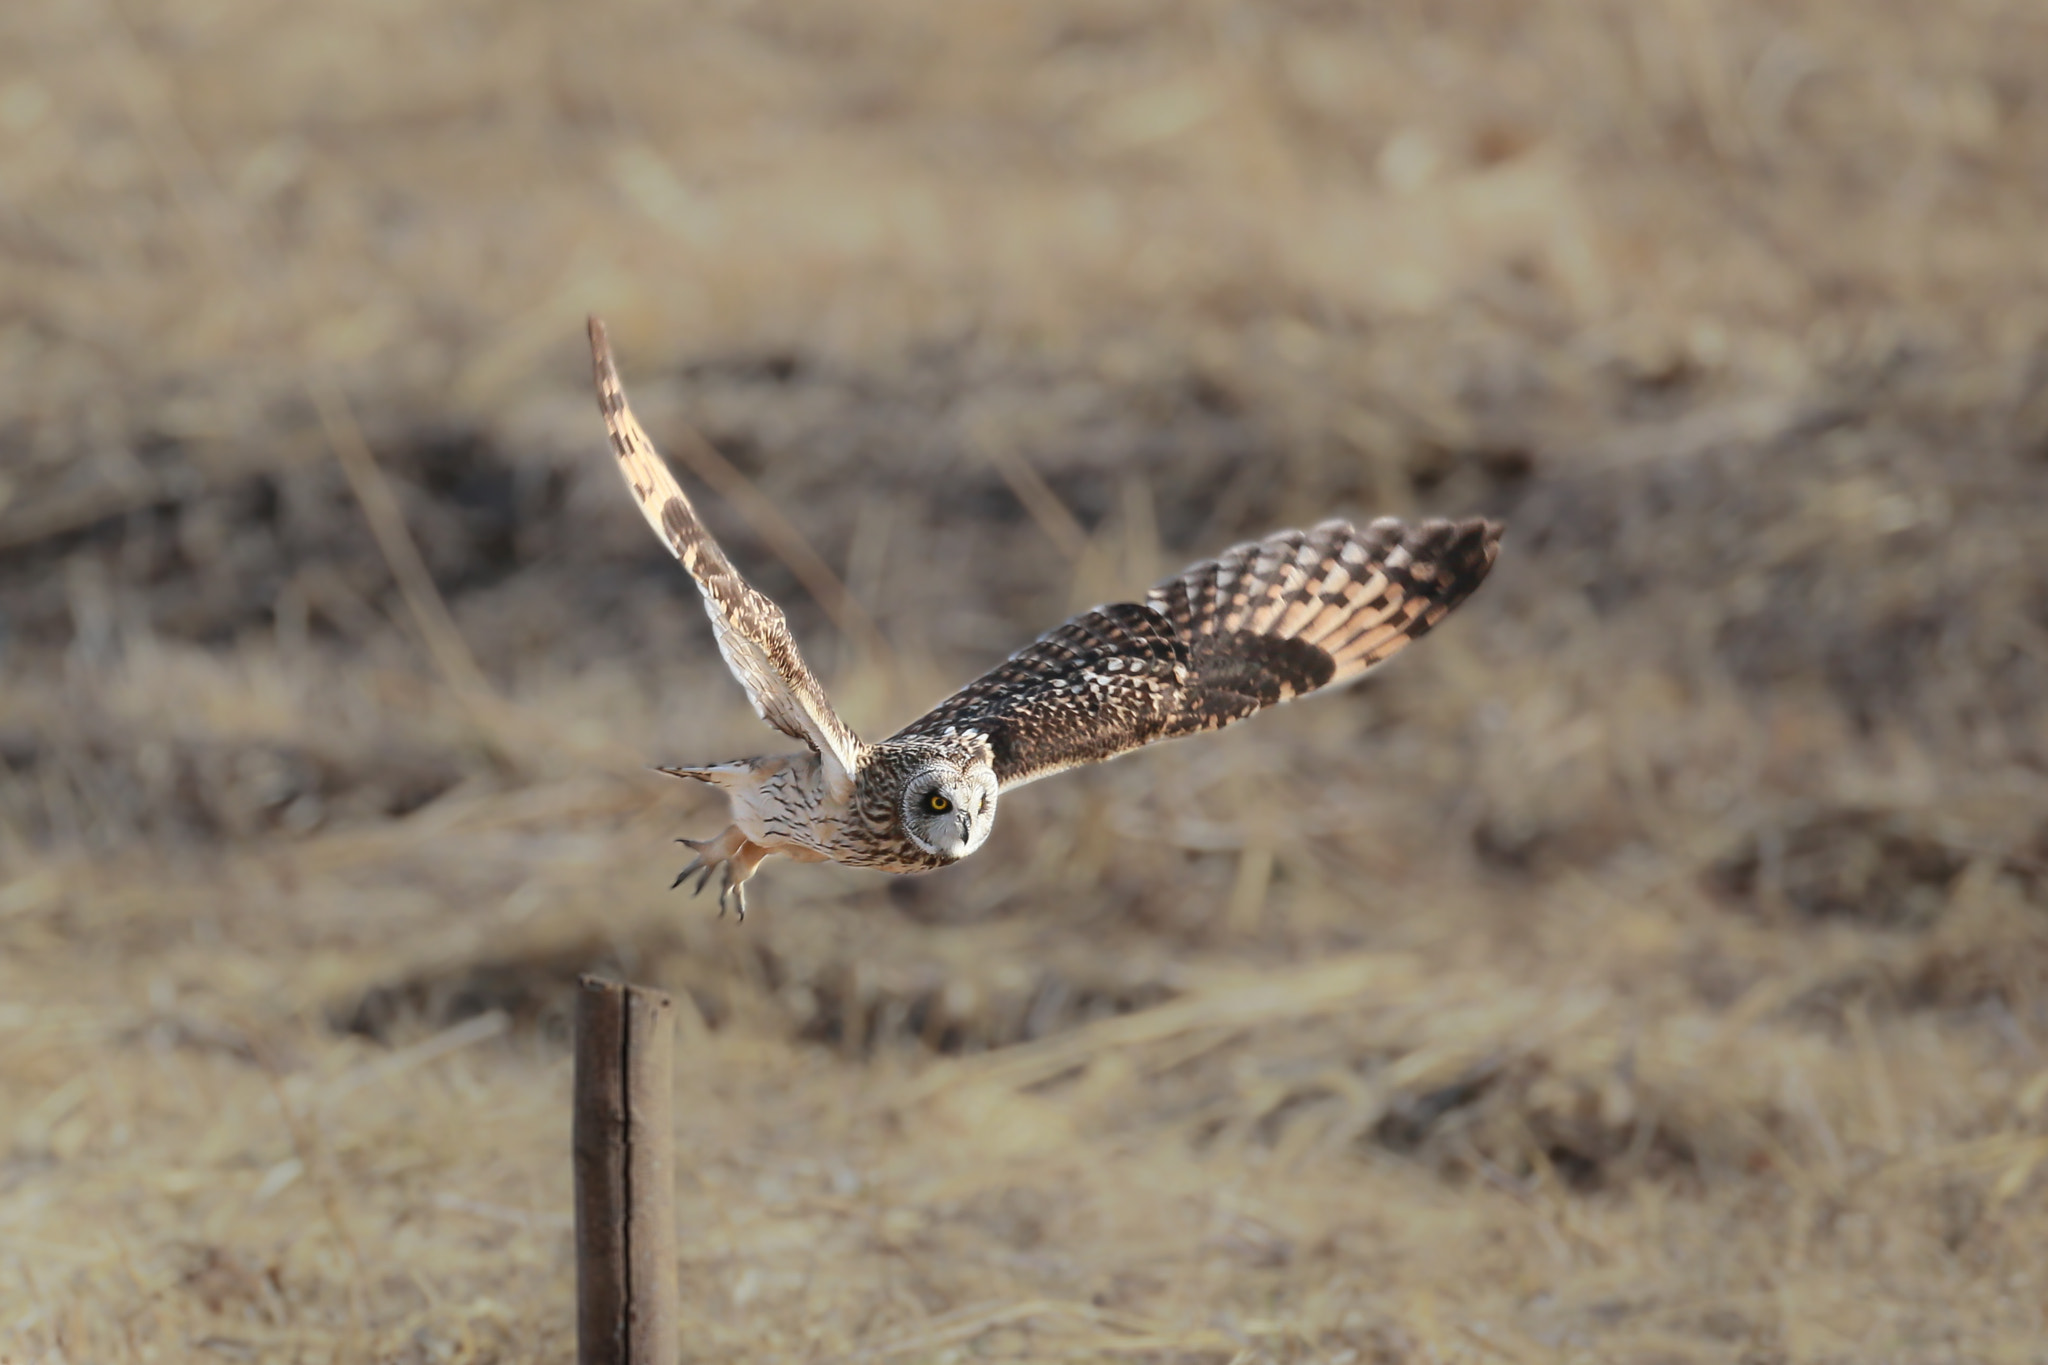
(736, 891)
(733, 857)
(726, 889)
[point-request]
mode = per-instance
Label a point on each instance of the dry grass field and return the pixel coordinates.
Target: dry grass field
(1652, 966)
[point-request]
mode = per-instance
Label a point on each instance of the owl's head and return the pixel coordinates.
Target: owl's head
(949, 808)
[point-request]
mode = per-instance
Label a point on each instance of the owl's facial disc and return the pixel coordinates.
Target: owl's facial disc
(949, 811)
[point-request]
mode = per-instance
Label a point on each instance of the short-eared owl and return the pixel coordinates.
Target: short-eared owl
(1261, 624)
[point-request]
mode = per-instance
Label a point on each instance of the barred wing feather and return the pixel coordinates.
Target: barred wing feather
(1261, 624)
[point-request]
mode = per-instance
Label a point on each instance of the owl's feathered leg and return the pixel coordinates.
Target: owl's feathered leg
(733, 851)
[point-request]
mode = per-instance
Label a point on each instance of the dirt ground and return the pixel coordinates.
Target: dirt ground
(1652, 966)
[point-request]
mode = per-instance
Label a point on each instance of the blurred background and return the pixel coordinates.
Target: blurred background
(1650, 966)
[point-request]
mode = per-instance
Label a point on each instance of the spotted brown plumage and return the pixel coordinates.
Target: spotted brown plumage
(1263, 623)
(1260, 624)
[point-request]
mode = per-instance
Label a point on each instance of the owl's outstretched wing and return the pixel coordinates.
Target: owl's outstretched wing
(752, 634)
(1263, 623)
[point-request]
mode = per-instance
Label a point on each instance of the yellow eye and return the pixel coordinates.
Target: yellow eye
(937, 804)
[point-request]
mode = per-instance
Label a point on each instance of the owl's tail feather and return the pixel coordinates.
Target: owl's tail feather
(717, 774)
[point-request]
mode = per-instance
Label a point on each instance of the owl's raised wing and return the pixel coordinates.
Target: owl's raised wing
(751, 631)
(1263, 623)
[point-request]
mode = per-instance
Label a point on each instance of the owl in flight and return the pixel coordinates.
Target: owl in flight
(1263, 623)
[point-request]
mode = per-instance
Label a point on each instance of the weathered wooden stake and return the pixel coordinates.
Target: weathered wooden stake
(624, 1149)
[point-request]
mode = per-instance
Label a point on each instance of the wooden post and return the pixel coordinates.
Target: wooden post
(624, 1152)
